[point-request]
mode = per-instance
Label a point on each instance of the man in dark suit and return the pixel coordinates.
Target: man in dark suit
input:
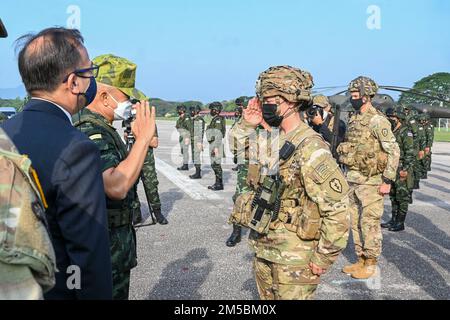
(60, 78)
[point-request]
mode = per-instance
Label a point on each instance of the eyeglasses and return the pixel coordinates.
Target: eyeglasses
(81, 73)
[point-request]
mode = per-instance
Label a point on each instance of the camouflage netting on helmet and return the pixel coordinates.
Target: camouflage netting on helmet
(364, 85)
(291, 83)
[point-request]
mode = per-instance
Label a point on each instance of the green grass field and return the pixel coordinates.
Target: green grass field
(442, 136)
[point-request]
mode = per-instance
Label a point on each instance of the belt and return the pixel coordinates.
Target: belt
(120, 217)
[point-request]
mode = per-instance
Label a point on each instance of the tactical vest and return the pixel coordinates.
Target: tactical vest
(24, 236)
(120, 212)
(297, 212)
(362, 151)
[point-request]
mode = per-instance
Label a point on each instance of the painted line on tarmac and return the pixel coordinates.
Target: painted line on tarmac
(192, 188)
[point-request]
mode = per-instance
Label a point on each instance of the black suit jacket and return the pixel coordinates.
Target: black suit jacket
(68, 166)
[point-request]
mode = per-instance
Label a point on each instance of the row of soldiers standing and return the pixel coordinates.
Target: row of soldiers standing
(191, 128)
(414, 134)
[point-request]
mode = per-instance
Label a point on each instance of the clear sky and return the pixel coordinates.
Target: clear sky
(214, 49)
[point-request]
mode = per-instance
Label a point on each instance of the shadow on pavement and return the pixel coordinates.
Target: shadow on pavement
(183, 278)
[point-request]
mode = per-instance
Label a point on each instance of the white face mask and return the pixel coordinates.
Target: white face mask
(123, 110)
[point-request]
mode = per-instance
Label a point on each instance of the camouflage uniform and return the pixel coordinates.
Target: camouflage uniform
(197, 132)
(119, 73)
(401, 189)
(183, 126)
(27, 258)
(422, 140)
(312, 224)
(429, 134)
(371, 155)
(150, 182)
(215, 132)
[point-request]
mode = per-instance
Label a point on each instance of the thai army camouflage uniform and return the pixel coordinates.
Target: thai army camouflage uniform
(27, 258)
(150, 182)
(422, 141)
(429, 137)
(313, 220)
(401, 191)
(215, 133)
(197, 132)
(119, 73)
(240, 151)
(371, 154)
(413, 124)
(183, 126)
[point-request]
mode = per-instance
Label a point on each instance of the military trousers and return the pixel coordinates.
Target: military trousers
(150, 181)
(216, 161)
(196, 152)
(366, 209)
(284, 282)
(123, 259)
(241, 183)
(184, 150)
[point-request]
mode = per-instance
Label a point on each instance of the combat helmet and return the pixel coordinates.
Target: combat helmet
(293, 84)
(181, 108)
(241, 102)
(321, 101)
(364, 85)
(216, 106)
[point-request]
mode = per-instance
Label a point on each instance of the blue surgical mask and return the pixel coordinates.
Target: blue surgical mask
(91, 92)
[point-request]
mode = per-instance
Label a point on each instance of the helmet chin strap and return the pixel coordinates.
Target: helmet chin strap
(289, 112)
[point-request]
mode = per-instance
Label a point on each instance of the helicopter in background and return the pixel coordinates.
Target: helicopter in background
(341, 102)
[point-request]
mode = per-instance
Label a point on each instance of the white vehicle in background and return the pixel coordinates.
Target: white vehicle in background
(8, 111)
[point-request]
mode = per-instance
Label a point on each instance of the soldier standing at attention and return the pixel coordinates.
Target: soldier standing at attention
(197, 133)
(371, 155)
(121, 170)
(241, 158)
(215, 132)
(150, 182)
(237, 117)
(429, 134)
(183, 127)
(298, 213)
(401, 191)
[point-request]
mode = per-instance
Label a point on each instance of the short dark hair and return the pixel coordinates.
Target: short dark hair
(45, 66)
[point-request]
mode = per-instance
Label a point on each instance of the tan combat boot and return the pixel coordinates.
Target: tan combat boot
(368, 270)
(353, 267)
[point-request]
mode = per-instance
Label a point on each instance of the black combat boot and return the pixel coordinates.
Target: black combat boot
(399, 224)
(235, 236)
(159, 216)
(391, 222)
(217, 186)
(184, 167)
(197, 174)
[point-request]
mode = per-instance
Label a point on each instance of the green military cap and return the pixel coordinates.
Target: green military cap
(119, 73)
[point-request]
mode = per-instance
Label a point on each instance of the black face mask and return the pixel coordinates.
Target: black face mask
(270, 115)
(357, 104)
